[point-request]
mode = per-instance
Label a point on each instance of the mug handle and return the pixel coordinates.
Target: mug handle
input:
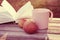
(51, 15)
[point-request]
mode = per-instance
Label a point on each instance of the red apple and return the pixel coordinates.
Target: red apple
(30, 27)
(21, 22)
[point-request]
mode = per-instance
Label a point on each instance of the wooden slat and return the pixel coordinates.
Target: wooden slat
(54, 37)
(54, 29)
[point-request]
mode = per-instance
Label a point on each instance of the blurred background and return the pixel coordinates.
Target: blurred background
(53, 5)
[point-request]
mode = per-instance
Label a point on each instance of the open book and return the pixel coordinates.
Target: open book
(8, 13)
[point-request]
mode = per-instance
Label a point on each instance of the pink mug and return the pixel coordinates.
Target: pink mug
(41, 17)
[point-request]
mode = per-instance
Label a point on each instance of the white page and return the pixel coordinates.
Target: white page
(25, 11)
(5, 16)
(10, 9)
